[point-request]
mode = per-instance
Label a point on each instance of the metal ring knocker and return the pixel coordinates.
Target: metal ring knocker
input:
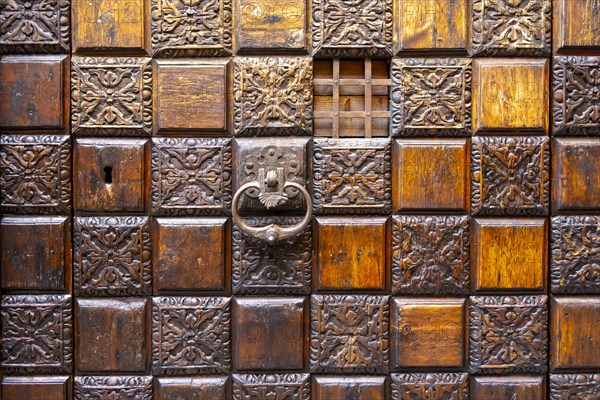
(272, 233)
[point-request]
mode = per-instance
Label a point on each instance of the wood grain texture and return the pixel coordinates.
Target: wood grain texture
(345, 260)
(509, 387)
(574, 333)
(37, 387)
(197, 388)
(509, 254)
(576, 26)
(360, 387)
(430, 174)
(510, 95)
(428, 332)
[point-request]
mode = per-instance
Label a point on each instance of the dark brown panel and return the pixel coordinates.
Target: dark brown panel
(348, 387)
(574, 386)
(267, 387)
(197, 388)
(424, 386)
(509, 387)
(105, 387)
(37, 387)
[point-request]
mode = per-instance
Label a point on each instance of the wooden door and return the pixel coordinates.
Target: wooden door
(294, 200)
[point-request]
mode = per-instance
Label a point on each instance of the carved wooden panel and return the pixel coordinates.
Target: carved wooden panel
(37, 387)
(34, 92)
(191, 176)
(272, 96)
(37, 333)
(349, 334)
(352, 28)
(36, 174)
(105, 387)
(509, 387)
(510, 176)
(508, 334)
(430, 254)
(191, 335)
(425, 386)
(183, 28)
(431, 96)
(111, 256)
(273, 386)
(259, 268)
(348, 387)
(432, 26)
(575, 26)
(574, 386)
(575, 249)
(36, 253)
(197, 388)
(111, 96)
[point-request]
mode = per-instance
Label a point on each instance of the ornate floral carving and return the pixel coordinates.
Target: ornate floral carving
(431, 96)
(438, 386)
(509, 334)
(111, 95)
(191, 335)
(271, 387)
(35, 174)
(36, 333)
(349, 334)
(189, 28)
(512, 27)
(575, 387)
(273, 96)
(430, 254)
(112, 256)
(259, 268)
(34, 26)
(575, 263)
(576, 104)
(191, 176)
(510, 176)
(352, 176)
(356, 28)
(113, 387)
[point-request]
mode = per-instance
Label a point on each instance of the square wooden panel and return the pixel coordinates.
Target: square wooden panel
(292, 386)
(430, 254)
(575, 245)
(111, 96)
(508, 334)
(431, 96)
(36, 253)
(111, 256)
(428, 332)
(111, 175)
(259, 268)
(351, 253)
(111, 26)
(197, 388)
(190, 255)
(575, 26)
(575, 386)
(191, 335)
(104, 387)
(37, 334)
(352, 176)
(575, 107)
(181, 86)
(430, 174)
(270, 333)
(510, 175)
(510, 95)
(189, 29)
(273, 96)
(272, 25)
(441, 386)
(37, 387)
(111, 335)
(574, 333)
(48, 29)
(432, 25)
(34, 93)
(509, 254)
(36, 174)
(506, 27)
(352, 98)
(348, 387)
(191, 176)
(509, 387)
(349, 334)
(575, 175)
(352, 29)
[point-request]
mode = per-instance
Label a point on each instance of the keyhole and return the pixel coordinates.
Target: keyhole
(108, 175)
